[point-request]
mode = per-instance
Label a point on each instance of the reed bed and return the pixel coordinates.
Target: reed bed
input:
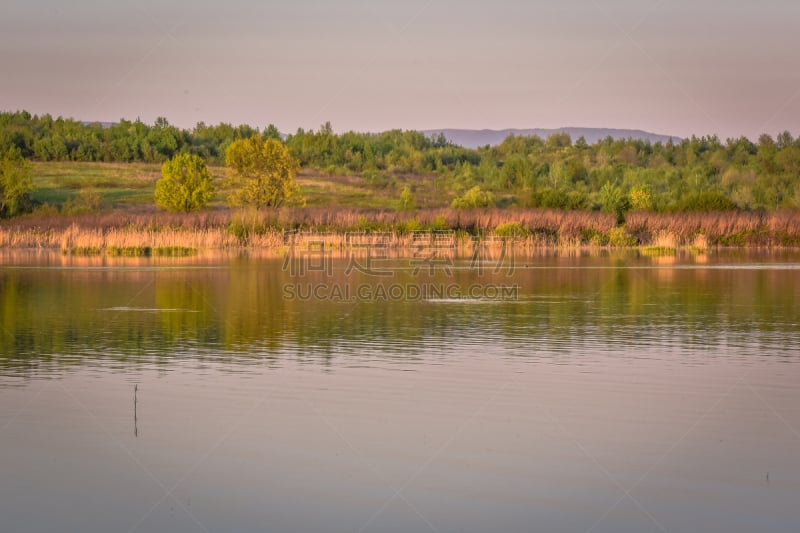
(126, 232)
(735, 228)
(144, 241)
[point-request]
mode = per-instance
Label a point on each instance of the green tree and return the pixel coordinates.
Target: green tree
(550, 198)
(712, 200)
(559, 140)
(515, 172)
(272, 132)
(785, 140)
(15, 184)
(613, 200)
(406, 199)
(185, 184)
(641, 198)
(163, 138)
(262, 173)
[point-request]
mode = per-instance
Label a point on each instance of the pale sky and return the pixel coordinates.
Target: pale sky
(676, 67)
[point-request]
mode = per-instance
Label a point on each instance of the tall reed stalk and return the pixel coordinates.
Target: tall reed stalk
(221, 229)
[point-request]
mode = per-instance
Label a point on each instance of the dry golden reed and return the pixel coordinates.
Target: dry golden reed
(223, 229)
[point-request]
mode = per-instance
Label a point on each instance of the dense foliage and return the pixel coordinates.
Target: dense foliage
(612, 175)
(262, 173)
(185, 184)
(15, 183)
(47, 139)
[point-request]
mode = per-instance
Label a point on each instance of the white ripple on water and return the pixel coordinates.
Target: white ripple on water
(149, 309)
(463, 301)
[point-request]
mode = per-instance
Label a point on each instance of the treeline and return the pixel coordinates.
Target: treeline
(615, 176)
(696, 174)
(45, 138)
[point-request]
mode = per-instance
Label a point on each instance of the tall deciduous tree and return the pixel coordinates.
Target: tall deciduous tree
(185, 184)
(15, 184)
(262, 173)
(613, 200)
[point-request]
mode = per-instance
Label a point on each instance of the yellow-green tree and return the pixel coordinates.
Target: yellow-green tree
(262, 173)
(185, 184)
(407, 202)
(15, 184)
(640, 198)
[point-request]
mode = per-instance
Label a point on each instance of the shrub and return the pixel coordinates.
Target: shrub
(550, 198)
(705, 201)
(510, 229)
(474, 197)
(409, 226)
(87, 201)
(619, 236)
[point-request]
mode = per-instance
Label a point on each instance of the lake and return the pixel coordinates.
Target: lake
(553, 391)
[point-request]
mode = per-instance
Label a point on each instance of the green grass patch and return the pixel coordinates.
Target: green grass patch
(129, 251)
(117, 184)
(657, 251)
(61, 182)
(125, 184)
(321, 191)
(174, 251)
(132, 251)
(83, 251)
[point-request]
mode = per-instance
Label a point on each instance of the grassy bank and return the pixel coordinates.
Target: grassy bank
(143, 232)
(108, 209)
(71, 187)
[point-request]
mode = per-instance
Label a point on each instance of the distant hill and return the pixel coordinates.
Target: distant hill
(104, 125)
(475, 138)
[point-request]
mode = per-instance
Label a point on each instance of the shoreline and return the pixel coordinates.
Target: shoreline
(119, 233)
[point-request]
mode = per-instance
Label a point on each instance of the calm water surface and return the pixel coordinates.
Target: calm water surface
(612, 393)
